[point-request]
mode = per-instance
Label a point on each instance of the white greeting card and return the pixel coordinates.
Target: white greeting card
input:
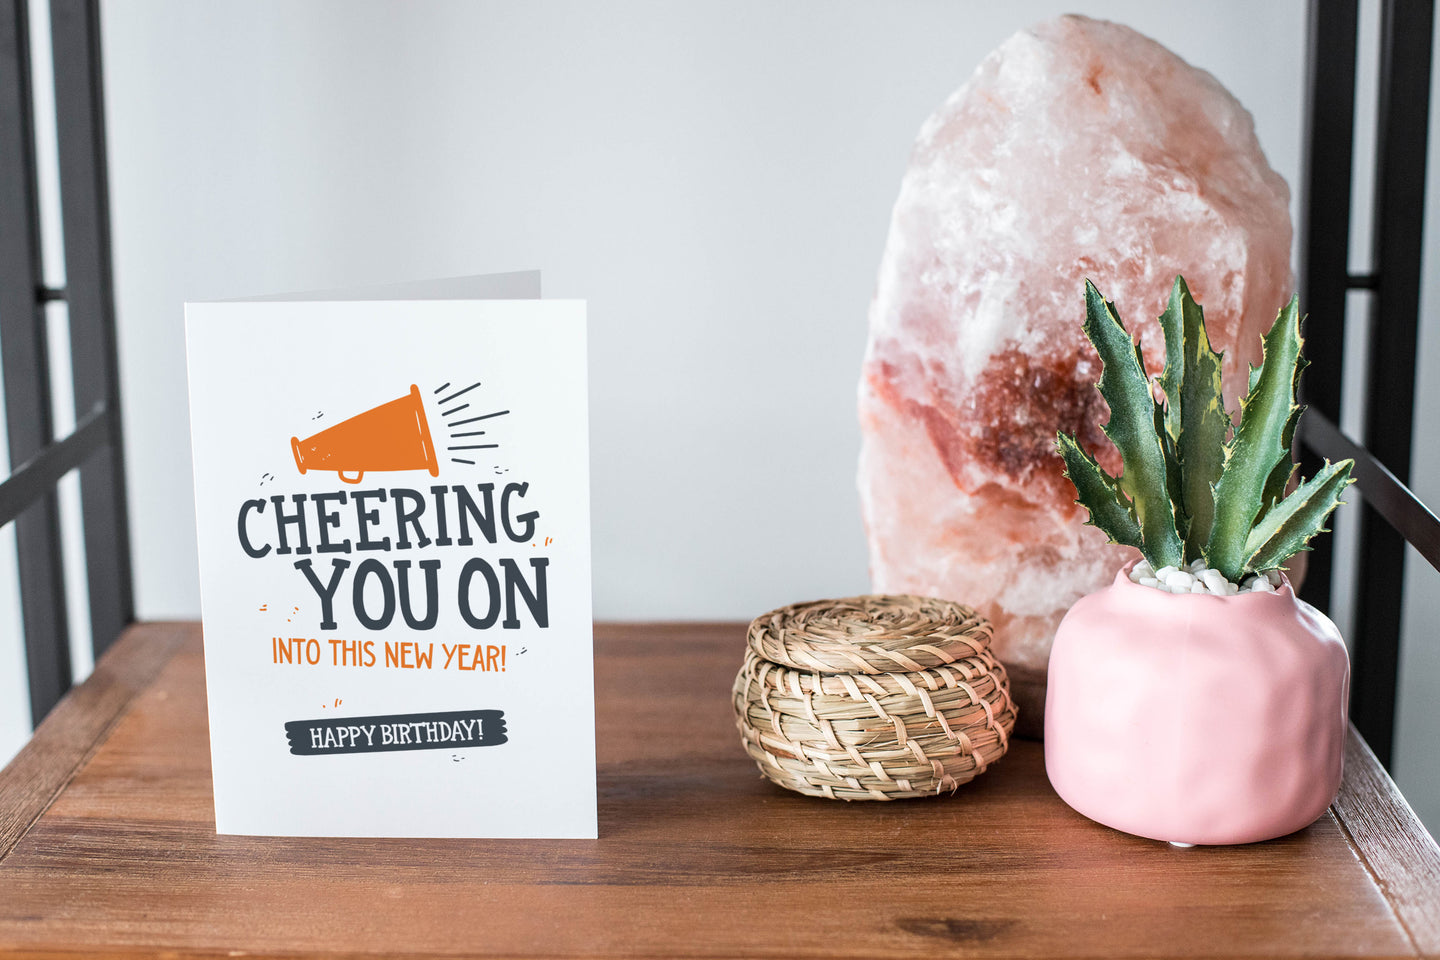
(392, 496)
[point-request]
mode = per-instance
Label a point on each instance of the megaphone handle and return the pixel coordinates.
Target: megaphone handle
(358, 475)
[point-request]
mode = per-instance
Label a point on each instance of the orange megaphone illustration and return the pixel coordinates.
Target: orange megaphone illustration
(392, 436)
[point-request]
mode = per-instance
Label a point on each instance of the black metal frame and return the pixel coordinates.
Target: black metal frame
(1391, 514)
(38, 459)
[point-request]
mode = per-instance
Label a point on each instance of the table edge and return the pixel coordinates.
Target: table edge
(80, 723)
(1383, 830)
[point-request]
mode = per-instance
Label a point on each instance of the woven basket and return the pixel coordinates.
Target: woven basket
(873, 697)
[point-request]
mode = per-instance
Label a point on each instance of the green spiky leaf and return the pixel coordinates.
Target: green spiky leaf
(1186, 491)
(1280, 477)
(1258, 446)
(1287, 528)
(1099, 493)
(1172, 475)
(1195, 417)
(1131, 428)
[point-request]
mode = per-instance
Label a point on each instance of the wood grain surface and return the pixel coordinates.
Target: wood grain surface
(1402, 856)
(698, 856)
(67, 737)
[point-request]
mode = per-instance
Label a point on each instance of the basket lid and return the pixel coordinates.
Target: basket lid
(873, 633)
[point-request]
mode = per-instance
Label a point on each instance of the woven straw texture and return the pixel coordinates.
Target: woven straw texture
(873, 697)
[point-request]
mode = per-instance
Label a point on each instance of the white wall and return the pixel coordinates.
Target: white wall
(714, 177)
(1417, 762)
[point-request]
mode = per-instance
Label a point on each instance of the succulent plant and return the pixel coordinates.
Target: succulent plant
(1194, 485)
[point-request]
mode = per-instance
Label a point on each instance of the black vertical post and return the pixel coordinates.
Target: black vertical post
(1404, 115)
(26, 368)
(1325, 231)
(85, 211)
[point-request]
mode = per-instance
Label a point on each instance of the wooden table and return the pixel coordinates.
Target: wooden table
(107, 847)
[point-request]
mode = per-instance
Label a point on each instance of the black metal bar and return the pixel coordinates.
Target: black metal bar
(37, 476)
(1394, 501)
(26, 368)
(51, 294)
(85, 211)
(1325, 228)
(1362, 281)
(1404, 114)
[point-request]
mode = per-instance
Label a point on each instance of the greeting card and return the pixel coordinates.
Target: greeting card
(392, 499)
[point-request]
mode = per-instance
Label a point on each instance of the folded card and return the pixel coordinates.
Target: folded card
(392, 499)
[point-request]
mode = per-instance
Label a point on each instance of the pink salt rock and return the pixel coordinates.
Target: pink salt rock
(1078, 149)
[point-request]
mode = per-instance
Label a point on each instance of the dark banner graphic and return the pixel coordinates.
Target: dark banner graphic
(407, 731)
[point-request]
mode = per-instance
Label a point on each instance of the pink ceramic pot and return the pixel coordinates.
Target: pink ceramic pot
(1196, 719)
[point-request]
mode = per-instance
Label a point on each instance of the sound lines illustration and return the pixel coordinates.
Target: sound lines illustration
(457, 394)
(451, 424)
(461, 423)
